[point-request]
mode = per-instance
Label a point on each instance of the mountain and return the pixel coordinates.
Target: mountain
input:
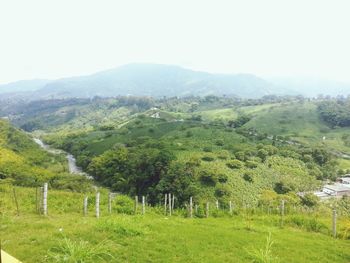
(158, 80)
(23, 86)
(148, 80)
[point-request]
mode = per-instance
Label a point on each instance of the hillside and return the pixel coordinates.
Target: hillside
(23, 162)
(146, 80)
(245, 154)
(229, 146)
(148, 155)
(157, 80)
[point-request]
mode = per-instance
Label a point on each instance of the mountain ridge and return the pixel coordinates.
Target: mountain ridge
(159, 80)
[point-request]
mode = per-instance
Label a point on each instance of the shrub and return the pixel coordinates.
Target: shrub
(220, 142)
(208, 178)
(208, 158)
(310, 224)
(189, 134)
(79, 251)
(251, 164)
(222, 178)
(124, 205)
(207, 149)
(222, 190)
(248, 177)
(223, 155)
(235, 164)
(309, 200)
(264, 255)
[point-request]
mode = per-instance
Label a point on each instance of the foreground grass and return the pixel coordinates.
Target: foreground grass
(67, 236)
(155, 238)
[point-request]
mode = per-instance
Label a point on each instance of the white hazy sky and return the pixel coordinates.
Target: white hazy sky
(58, 38)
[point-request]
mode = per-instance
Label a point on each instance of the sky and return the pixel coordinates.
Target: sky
(61, 38)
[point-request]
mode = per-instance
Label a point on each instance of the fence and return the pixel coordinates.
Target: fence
(104, 204)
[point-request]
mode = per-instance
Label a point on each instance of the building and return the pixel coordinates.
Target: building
(337, 189)
(345, 180)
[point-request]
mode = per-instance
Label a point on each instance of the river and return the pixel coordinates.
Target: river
(72, 163)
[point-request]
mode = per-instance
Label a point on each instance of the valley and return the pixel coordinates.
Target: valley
(247, 153)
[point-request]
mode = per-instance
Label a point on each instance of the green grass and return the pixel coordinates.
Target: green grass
(223, 114)
(297, 120)
(66, 233)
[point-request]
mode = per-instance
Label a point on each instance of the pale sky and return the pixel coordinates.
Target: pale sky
(60, 38)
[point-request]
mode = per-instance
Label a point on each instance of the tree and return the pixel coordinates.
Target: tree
(310, 200)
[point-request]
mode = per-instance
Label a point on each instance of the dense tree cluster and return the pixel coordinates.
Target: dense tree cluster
(335, 112)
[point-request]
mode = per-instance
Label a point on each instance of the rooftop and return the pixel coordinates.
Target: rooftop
(337, 187)
(345, 179)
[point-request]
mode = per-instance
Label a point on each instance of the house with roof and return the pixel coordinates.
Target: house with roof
(337, 190)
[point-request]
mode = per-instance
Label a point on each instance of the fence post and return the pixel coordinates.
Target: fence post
(143, 205)
(36, 200)
(334, 223)
(165, 202)
(45, 199)
(282, 212)
(109, 202)
(136, 203)
(169, 204)
(230, 207)
(172, 203)
(85, 205)
(191, 207)
(207, 210)
(217, 204)
(98, 204)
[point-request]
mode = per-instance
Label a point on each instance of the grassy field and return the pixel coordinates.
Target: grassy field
(66, 236)
(301, 122)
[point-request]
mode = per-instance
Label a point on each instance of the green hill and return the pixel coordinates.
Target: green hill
(250, 153)
(23, 162)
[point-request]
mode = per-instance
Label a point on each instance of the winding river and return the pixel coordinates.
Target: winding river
(72, 163)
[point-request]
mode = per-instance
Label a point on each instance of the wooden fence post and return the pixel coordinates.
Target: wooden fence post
(41, 191)
(217, 204)
(36, 200)
(191, 207)
(143, 205)
(230, 207)
(136, 203)
(172, 203)
(85, 204)
(98, 204)
(109, 202)
(207, 210)
(165, 202)
(334, 223)
(169, 198)
(282, 212)
(45, 199)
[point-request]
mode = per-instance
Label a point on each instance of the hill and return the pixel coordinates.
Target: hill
(23, 162)
(229, 146)
(148, 80)
(23, 86)
(156, 80)
(249, 154)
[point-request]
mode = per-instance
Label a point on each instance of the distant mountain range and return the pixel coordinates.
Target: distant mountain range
(164, 80)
